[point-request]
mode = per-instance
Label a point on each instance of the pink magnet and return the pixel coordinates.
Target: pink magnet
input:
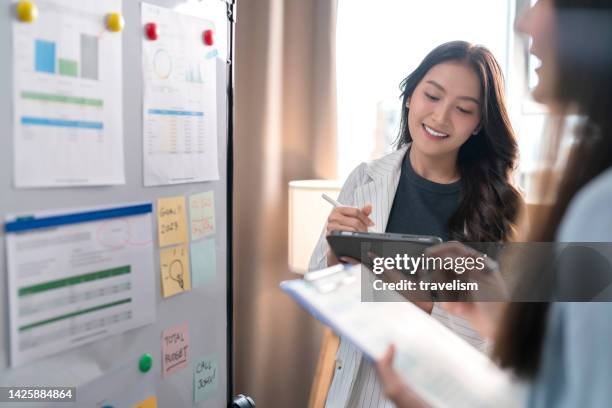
(208, 37)
(151, 31)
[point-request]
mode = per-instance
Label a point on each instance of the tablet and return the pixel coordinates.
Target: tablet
(351, 244)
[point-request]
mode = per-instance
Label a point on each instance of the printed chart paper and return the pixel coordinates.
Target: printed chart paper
(76, 277)
(67, 96)
(179, 109)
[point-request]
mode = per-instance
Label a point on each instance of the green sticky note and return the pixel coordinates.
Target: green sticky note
(205, 377)
(202, 214)
(203, 262)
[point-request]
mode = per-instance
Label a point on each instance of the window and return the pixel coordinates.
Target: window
(379, 43)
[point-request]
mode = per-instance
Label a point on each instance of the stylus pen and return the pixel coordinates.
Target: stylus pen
(336, 203)
(331, 200)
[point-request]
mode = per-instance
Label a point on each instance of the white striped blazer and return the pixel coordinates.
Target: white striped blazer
(355, 383)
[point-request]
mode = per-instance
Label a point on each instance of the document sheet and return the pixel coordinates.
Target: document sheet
(67, 96)
(78, 276)
(179, 104)
(441, 367)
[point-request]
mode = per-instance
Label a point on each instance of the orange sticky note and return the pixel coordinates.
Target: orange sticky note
(174, 266)
(150, 402)
(171, 221)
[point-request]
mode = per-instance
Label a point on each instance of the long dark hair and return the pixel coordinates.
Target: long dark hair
(583, 86)
(489, 204)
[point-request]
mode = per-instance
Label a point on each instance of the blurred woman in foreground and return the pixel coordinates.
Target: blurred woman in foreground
(562, 349)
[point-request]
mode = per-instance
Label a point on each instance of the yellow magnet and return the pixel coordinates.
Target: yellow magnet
(115, 22)
(26, 11)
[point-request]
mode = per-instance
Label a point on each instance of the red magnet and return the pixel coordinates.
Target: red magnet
(151, 31)
(208, 37)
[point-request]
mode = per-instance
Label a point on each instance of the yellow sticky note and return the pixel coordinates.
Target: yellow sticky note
(150, 402)
(174, 265)
(171, 221)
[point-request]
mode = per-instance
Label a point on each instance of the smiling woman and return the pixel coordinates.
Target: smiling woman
(399, 34)
(455, 119)
(449, 177)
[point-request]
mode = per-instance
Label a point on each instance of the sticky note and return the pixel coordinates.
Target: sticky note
(203, 262)
(175, 347)
(171, 221)
(202, 214)
(205, 378)
(174, 268)
(150, 402)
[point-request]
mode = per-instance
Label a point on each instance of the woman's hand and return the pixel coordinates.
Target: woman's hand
(394, 387)
(483, 316)
(454, 261)
(347, 219)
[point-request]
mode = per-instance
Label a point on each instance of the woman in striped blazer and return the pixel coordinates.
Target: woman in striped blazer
(450, 177)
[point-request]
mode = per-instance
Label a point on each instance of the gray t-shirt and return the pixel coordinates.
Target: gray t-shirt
(576, 365)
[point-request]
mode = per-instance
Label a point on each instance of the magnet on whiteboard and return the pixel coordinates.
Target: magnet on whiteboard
(151, 31)
(115, 22)
(145, 363)
(27, 11)
(207, 36)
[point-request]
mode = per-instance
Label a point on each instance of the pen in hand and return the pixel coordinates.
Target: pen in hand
(331, 200)
(346, 218)
(338, 204)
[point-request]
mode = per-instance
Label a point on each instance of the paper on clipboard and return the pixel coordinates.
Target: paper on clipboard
(441, 367)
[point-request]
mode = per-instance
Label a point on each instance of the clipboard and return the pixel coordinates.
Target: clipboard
(439, 366)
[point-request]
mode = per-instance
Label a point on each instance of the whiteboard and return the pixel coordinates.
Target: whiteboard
(110, 366)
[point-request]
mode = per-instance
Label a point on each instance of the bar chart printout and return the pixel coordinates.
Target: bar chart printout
(77, 276)
(68, 97)
(179, 109)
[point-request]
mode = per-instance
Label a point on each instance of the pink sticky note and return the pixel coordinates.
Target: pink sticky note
(175, 344)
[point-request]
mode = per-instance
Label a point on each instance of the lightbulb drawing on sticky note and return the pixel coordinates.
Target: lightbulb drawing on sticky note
(174, 265)
(176, 271)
